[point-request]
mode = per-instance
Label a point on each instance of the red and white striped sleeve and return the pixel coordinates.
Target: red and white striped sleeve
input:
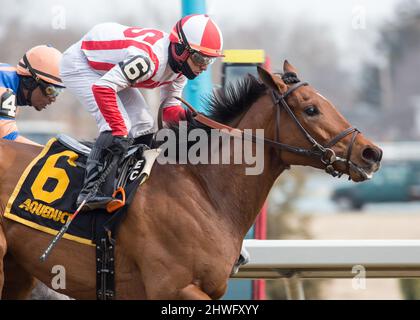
(123, 75)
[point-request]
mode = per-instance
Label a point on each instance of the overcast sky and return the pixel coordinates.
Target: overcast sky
(337, 13)
(352, 23)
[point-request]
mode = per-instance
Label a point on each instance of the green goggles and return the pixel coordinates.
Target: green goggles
(200, 59)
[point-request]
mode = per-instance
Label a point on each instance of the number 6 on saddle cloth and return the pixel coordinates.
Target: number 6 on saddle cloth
(45, 196)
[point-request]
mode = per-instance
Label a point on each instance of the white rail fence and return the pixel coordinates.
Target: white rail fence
(313, 259)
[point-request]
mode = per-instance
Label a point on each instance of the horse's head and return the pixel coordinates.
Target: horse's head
(313, 132)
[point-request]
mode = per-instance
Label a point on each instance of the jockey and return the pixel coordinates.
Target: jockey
(34, 82)
(108, 65)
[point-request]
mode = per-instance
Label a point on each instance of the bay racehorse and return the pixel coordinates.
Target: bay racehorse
(183, 232)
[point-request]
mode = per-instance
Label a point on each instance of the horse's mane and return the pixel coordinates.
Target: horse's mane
(225, 104)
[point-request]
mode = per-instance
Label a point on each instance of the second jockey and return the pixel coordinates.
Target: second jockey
(34, 82)
(107, 66)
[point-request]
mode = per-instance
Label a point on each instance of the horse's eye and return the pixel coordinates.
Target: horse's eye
(311, 111)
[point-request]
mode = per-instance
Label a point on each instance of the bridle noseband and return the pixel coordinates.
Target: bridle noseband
(325, 153)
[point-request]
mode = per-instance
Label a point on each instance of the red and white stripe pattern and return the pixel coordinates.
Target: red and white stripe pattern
(107, 44)
(202, 34)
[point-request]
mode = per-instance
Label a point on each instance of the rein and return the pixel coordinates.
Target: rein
(325, 153)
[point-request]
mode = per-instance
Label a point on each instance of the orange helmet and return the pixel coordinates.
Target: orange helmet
(41, 62)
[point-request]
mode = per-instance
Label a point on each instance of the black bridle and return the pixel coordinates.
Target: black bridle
(324, 152)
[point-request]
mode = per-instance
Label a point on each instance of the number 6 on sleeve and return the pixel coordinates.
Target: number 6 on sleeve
(135, 68)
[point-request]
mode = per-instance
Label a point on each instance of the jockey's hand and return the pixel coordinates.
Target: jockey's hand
(120, 144)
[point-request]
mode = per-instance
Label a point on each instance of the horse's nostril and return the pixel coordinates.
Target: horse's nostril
(372, 154)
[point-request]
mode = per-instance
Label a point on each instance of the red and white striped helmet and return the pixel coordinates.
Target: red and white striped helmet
(200, 33)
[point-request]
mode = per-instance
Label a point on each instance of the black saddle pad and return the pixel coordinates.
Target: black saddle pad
(45, 196)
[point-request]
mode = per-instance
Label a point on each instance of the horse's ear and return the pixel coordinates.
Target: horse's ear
(271, 82)
(287, 67)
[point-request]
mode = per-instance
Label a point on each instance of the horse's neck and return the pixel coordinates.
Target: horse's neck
(14, 158)
(238, 197)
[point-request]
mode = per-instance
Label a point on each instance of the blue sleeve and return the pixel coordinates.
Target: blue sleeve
(11, 136)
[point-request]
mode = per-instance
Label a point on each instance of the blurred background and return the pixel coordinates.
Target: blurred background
(362, 55)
